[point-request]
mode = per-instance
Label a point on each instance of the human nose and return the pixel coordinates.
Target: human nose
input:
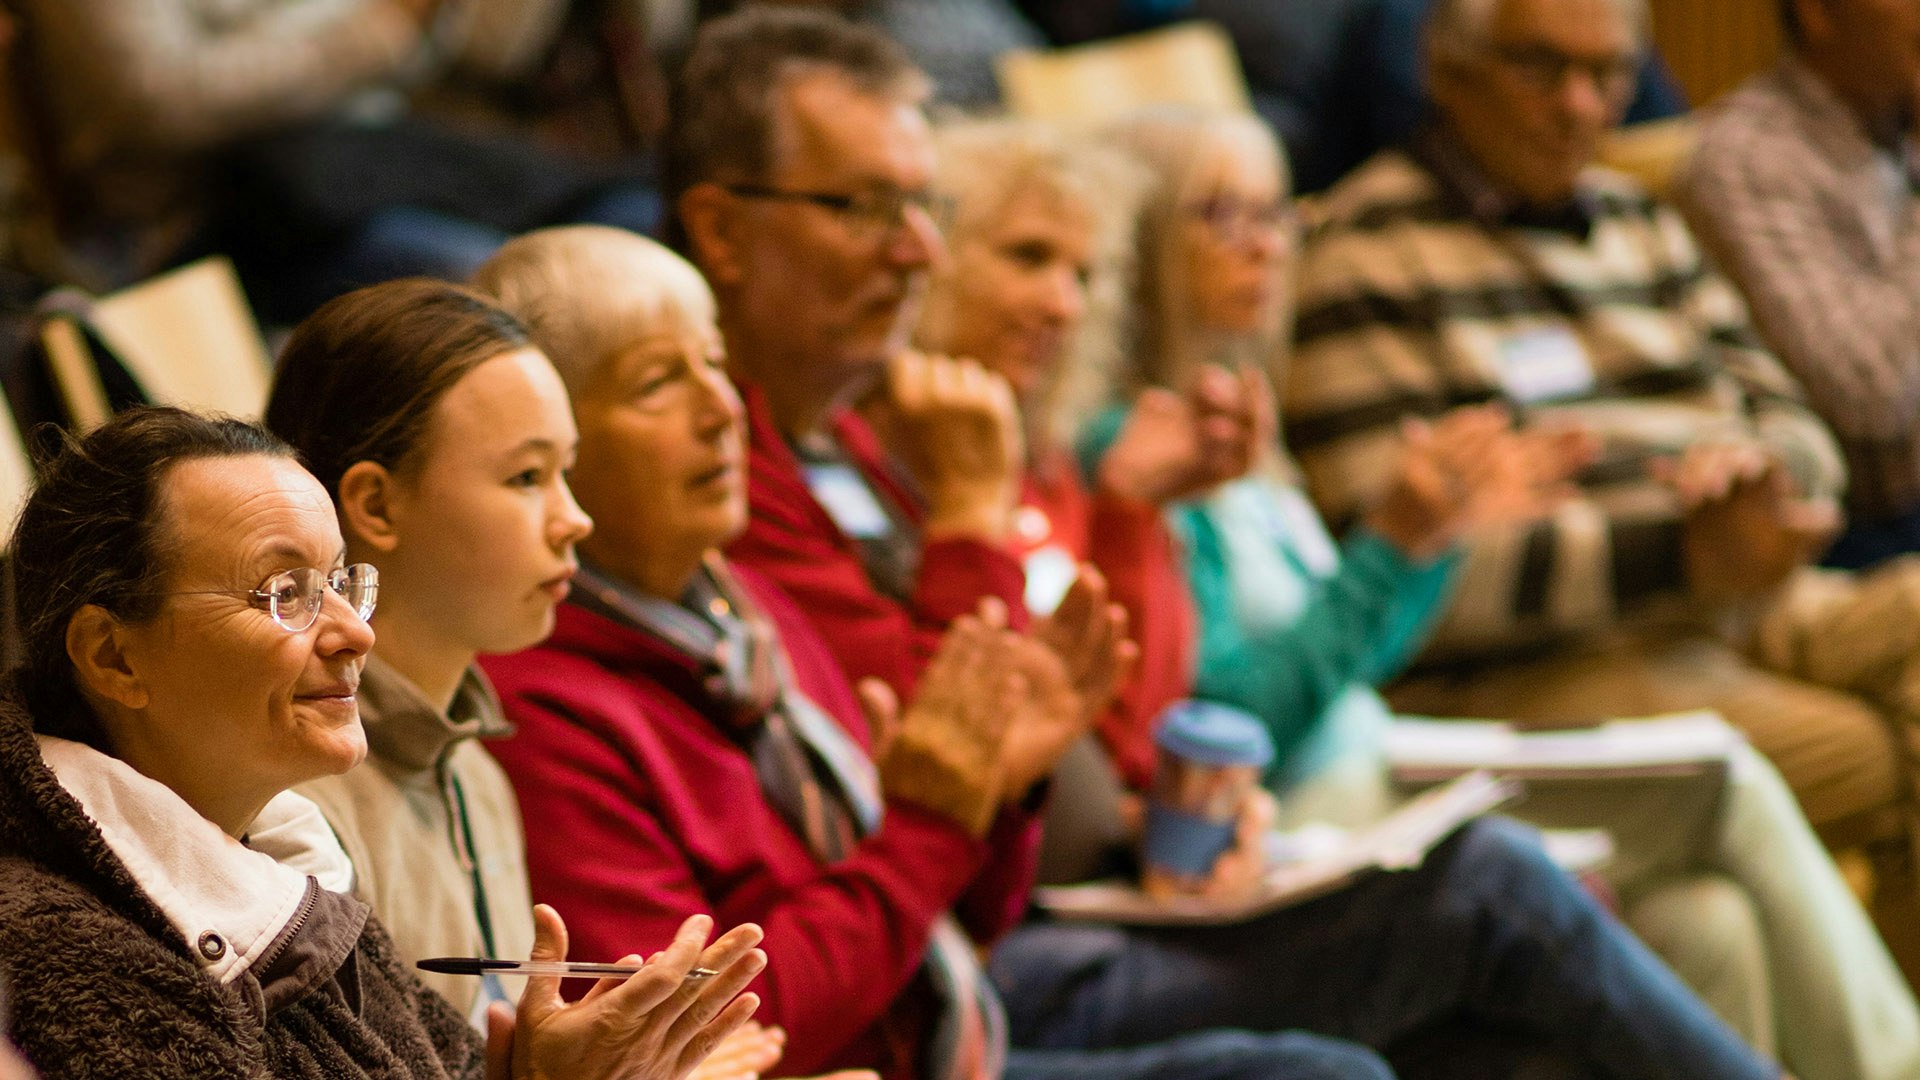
(717, 407)
(343, 633)
(1585, 94)
(1066, 297)
(915, 239)
(568, 524)
(1265, 239)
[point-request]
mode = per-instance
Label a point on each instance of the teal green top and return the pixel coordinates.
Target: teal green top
(1293, 628)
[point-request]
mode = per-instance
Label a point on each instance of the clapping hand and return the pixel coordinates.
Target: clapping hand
(1471, 470)
(956, 426)
(1174, 446)
(1746, 529)
(652, 1025)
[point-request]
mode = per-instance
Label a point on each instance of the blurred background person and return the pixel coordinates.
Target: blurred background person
(1721, 875)
(1489, 260)
(281, 132)
(1802, 189)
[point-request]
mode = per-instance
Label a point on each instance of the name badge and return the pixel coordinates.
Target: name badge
(1306, 533)
(1050, 572)
(852, 505)
(1547, 364)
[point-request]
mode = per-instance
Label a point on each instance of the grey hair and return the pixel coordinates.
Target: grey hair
(722, 123)
(1178, 145)
(588, 293)
(1459, 29)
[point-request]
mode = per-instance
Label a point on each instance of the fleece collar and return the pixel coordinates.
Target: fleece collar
(230, 901)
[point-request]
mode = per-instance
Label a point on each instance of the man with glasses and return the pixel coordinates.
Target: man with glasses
(799, 162)
(1488, 261)
(1803, 188)
(801, 183)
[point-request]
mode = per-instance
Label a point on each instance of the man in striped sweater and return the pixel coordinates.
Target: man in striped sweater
(1489, 261)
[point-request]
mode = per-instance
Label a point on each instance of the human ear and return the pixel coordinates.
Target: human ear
(97, 644)
(366, 506)
(709, 218)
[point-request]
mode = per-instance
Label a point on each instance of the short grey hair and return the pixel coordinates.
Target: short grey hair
(725, 103)
(588, 293)
(1459, 29)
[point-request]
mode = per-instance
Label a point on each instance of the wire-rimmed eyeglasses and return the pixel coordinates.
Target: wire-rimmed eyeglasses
(870, 213)
(293, 597)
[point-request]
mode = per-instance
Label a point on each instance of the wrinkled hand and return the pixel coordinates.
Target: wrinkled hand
(1470, 470)
(1237, 873)
(653, 1025)
(1744, 537)
(1088, 634)
(947, 744)
(1173, 447)
(956, 427)
(749, 1051)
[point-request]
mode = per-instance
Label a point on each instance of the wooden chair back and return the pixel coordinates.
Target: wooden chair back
(186, 338)
(1190, 63)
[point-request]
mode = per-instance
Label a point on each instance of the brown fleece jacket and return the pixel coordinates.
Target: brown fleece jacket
(103, 986)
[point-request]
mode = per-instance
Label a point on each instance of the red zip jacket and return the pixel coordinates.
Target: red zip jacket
(1130, 544)
(791, 540)
(640, 811)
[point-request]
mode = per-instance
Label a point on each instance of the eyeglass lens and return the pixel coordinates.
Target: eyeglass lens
(880, 211)
(294, 597)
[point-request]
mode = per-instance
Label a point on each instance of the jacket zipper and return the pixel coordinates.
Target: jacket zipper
(308, 902)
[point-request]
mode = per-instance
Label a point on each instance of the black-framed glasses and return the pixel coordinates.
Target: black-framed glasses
(293, 597)
(1545, 68)
(869, 213)
(1237, 221)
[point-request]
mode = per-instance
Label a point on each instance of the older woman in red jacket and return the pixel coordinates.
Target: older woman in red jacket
(689, 727)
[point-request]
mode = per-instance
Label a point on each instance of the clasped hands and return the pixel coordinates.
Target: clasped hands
(996, 708)
(1471, 469)
(1746, 529)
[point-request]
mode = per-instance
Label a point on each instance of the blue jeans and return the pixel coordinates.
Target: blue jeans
(1208, 1055)
(1866, 544)
(1487, 933)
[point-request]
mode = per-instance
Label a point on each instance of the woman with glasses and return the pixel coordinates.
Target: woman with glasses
(168, 908)
(651, 728)
(1724, 879)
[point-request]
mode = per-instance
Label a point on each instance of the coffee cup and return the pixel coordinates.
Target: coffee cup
(1211, 759)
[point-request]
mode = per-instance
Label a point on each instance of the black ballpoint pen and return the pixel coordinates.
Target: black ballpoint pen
(480, 965)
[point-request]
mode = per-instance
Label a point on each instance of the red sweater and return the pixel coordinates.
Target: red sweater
(640, 812)
(791, 540)
(1129, 542)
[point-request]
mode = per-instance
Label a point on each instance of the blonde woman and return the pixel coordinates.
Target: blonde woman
(1731, 887)
(1025, 279)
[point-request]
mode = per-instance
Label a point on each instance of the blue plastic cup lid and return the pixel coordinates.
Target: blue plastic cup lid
(1210, 733)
